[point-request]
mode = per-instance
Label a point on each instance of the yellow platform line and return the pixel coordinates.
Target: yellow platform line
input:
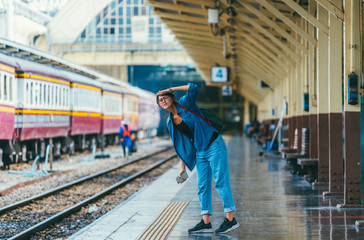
(163, 224)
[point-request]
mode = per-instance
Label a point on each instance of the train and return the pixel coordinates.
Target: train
(40, 102)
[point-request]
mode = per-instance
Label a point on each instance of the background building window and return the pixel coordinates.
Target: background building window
(118, 15)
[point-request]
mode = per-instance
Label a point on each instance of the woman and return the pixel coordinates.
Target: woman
(199, 144)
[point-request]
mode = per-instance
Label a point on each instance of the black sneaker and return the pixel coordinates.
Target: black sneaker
(227, 226)
(201, 227)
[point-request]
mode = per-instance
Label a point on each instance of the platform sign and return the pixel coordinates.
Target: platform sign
(219, 74)
(227, 90)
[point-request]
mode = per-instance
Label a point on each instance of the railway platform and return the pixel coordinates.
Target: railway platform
(271, 204)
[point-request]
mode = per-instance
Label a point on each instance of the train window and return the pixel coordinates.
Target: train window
(40, 93)
(59, 96)
(36, 93)
(44, 94)
(1, 83)
(75, 98)
(49, 96)
(31, 93)
(26, 96)
(5, 88)
(80, 97)
(67, 97)
(10, 79)
(56, 96)
(136, 106)
(53, 96)
(64, 97)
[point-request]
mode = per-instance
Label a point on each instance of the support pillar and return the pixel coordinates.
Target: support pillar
(312, 7)
(299, 88)
(352, 64)
(322, 105)
(335, 105)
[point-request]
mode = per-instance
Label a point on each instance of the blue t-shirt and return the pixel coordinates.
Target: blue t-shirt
(202, 132)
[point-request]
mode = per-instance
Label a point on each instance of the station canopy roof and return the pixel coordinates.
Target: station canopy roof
(258, 40)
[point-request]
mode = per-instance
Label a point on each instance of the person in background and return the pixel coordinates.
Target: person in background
(199, 144)
(125, 134)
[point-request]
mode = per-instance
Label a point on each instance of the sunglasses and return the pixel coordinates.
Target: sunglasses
(163, 98)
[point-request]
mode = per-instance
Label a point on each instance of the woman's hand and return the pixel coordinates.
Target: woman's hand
(164, 92)
(183, 169)
(180, 175)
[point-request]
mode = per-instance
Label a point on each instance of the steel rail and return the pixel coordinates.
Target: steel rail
(57, 217)
(75, 182)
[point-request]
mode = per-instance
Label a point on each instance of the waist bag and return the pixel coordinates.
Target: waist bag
(210, 117)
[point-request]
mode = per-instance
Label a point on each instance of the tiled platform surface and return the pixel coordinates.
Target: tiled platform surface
(270, 202)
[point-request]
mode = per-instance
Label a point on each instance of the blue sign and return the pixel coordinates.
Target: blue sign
(227, 90)
(219, 74)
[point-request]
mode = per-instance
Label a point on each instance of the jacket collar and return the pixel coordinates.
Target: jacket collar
(179, 111)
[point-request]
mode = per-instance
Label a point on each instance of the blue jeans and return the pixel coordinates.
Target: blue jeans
(213, 161)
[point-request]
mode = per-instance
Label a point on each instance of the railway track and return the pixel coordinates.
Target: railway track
(27, 217)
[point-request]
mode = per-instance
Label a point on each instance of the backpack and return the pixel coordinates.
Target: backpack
(210, 117)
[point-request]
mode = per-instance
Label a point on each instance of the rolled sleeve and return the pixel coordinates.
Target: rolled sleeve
(189, 99)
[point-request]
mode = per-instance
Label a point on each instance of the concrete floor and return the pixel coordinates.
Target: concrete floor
(270, 202)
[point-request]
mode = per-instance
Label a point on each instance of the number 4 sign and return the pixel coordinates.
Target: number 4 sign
(227, 90)
(219, 74)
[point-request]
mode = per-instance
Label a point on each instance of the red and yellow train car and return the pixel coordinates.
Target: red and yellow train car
(86, 110)
(7, 97)
(43, 102)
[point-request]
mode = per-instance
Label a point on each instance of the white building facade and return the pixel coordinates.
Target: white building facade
(21, 22)
(49, 7)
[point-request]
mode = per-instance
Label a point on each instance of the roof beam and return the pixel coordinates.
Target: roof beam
(306, 15)
(263, 51)
(196, 32)
(259, 72)
(202, 38)
(186, 25)
(287, 21)
(329, 6)
(178, 7)
(264, 44)
(273, 25)
(208, 3)
(270, 36)
(273, 68)
(249, 96)
(180, 17)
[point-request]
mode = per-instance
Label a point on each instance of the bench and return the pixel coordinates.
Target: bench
(309, 165)
(292, 149)
(292, 157)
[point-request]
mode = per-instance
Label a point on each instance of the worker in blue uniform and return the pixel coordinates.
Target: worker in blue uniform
(199, 144)
(125, 134)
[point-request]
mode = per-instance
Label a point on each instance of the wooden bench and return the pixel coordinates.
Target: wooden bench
(292, 157)
(309, 165)
(292, 149)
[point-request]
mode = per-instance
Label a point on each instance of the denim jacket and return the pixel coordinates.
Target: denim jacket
(202, 132)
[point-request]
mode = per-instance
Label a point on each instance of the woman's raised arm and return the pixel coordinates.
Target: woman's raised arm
(173, 89)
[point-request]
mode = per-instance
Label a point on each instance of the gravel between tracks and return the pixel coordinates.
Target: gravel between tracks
(16, 187)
